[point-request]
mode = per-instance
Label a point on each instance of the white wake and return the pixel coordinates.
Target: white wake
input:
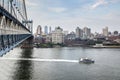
(41, 60)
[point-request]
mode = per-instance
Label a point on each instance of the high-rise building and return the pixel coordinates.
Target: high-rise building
(46, 30)
(50, 30)
(70, 36)
(57, 35)
(39, 30)
(87, 32)
(77, 32)
(81, 33)
(105, 31)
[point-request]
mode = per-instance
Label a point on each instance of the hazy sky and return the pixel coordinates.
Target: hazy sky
(95, 14)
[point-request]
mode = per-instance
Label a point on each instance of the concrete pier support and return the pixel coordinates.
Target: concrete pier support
(28, 43)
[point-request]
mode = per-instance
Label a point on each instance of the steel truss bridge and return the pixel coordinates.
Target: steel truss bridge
(14, 24)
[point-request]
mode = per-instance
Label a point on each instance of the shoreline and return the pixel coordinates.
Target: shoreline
(82, 47)
(106, 47)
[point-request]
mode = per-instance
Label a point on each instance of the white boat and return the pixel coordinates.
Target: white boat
(98, 46)
(86, 60)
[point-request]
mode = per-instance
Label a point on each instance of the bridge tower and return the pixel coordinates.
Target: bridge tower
(28, 43)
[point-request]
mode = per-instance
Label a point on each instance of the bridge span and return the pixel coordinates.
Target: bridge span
(14, 24)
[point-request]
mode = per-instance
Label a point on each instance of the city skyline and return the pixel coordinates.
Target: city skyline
(74, 30)
(95, 14)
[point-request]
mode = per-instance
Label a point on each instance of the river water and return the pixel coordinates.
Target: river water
(60, 64)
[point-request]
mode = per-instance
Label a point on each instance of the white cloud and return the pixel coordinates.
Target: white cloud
(98, 3)
(57, 9)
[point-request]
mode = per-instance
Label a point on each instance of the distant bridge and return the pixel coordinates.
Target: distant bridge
(14, 24)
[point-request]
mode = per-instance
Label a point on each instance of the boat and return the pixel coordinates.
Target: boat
(86, 60)
(98, 46)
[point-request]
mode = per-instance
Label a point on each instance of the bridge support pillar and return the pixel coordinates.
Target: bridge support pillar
(28, 43)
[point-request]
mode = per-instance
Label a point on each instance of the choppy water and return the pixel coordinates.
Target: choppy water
(60, 64)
